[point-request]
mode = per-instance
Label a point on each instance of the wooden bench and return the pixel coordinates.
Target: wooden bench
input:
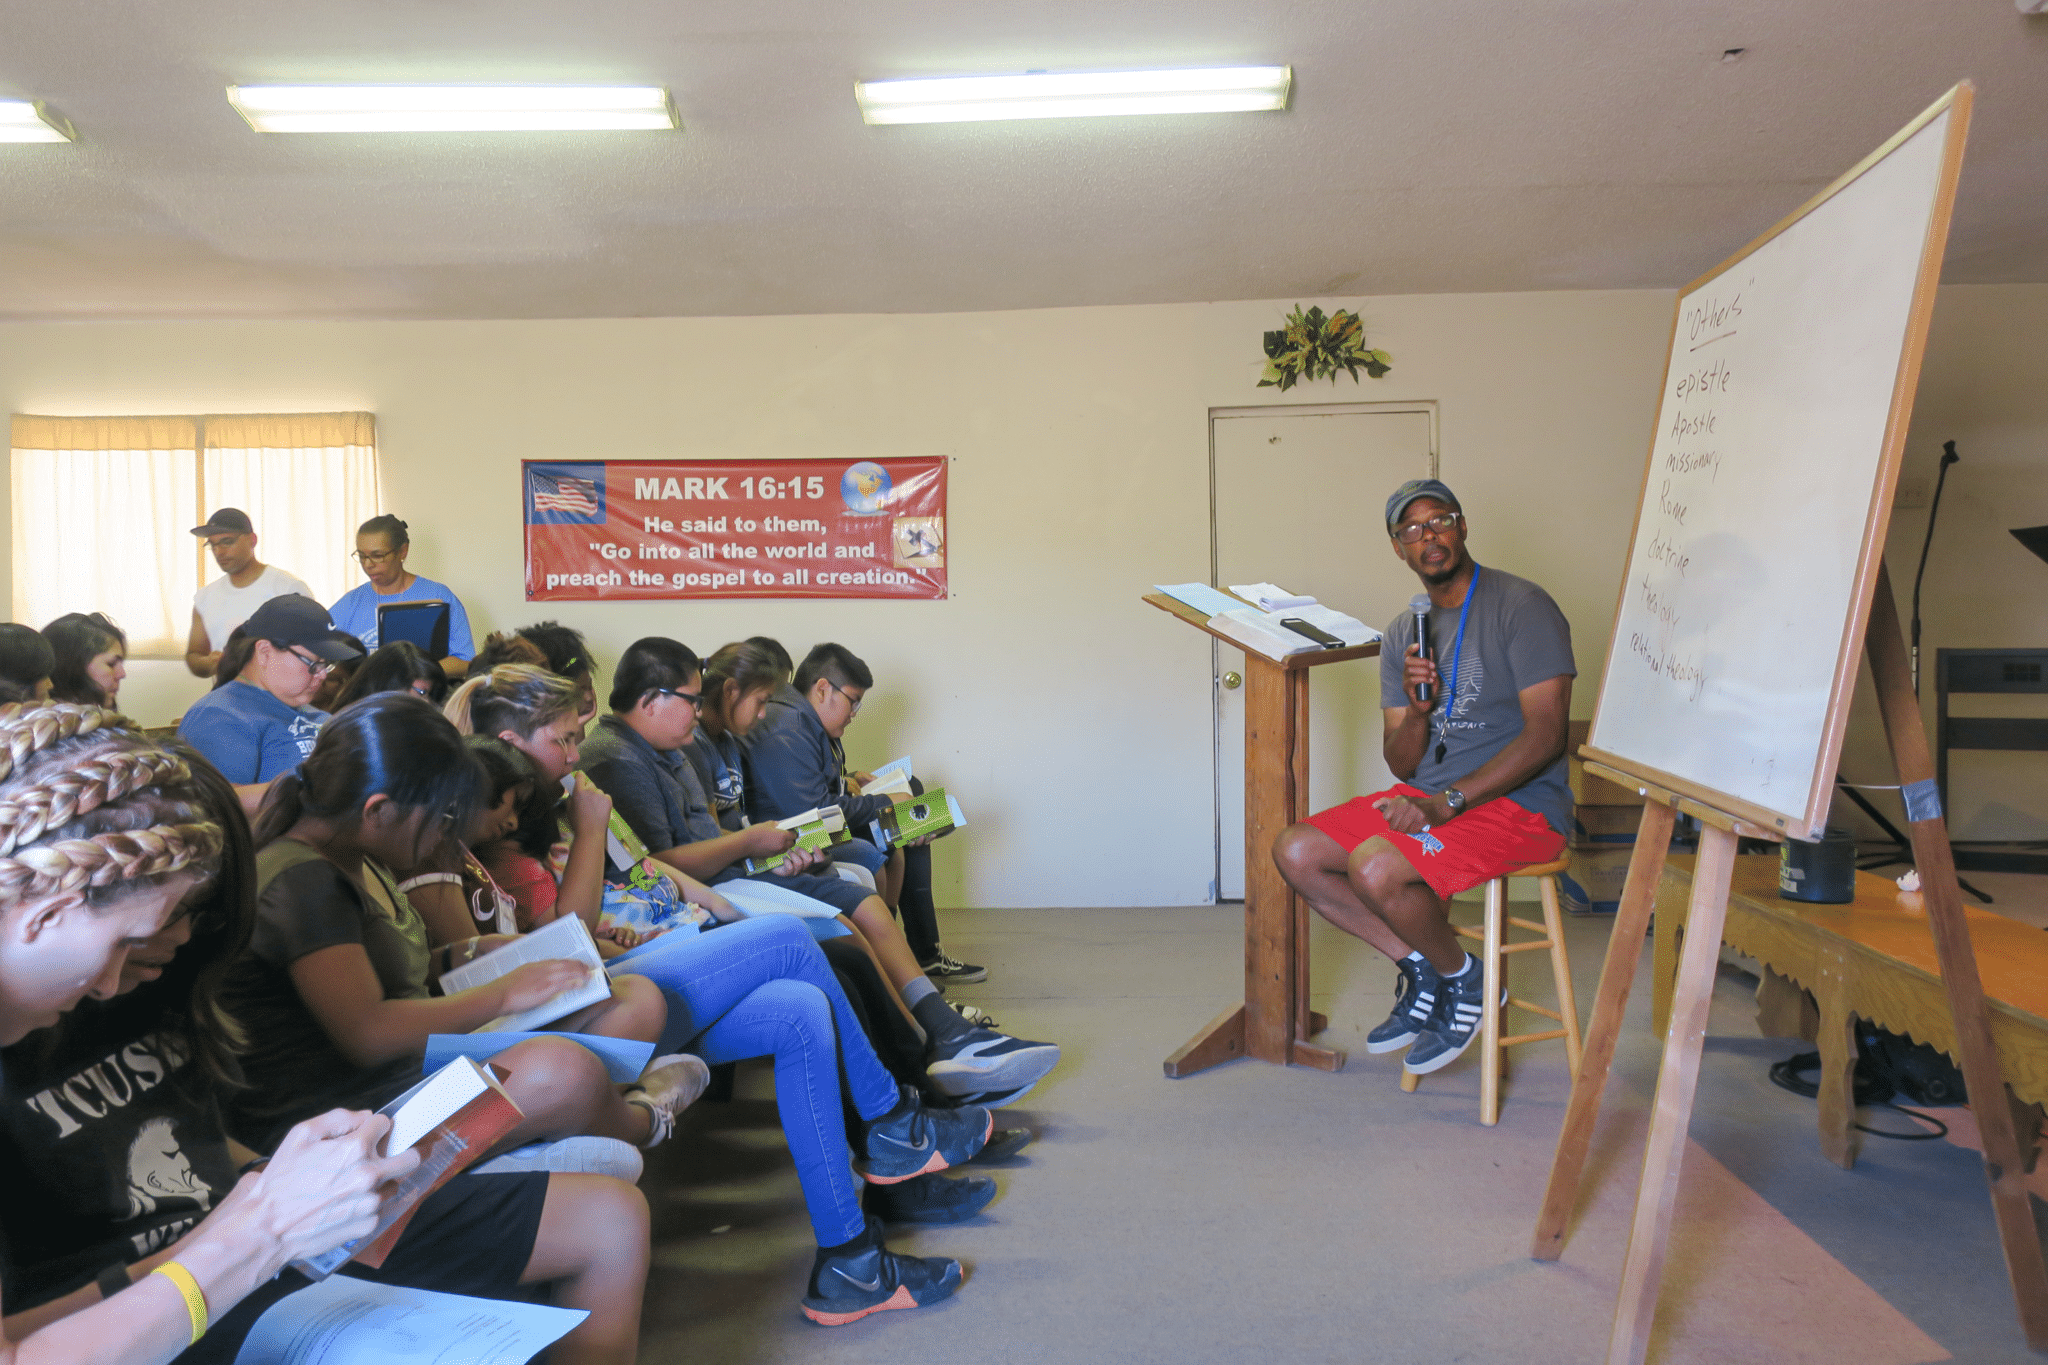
(1873, 959)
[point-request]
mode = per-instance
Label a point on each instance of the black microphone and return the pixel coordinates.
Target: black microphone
(1419, 604)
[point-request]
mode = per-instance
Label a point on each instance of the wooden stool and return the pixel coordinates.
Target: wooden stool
(1493, 937)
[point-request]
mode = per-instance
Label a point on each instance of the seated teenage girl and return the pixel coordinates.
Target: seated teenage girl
(757, 988)
(107, 1193)
(336, 989)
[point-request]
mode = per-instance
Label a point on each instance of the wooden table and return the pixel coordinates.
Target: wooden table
(1872, 958)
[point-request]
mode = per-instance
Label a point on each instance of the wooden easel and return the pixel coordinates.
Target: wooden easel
(1726, 818)
(1274, 1022)
(1678, 1075)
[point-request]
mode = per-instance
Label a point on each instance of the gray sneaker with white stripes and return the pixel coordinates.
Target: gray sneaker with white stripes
(1414, 1003)
(1460, 1001)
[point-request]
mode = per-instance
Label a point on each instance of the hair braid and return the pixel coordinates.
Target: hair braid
(116, 856)
(27, 728)
(64, 796)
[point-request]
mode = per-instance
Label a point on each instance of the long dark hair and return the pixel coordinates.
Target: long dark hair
(503, 766)
(746, 664)
(235, 653)
(25, 660)
(76, 640)
(394, 668)
(392, 744)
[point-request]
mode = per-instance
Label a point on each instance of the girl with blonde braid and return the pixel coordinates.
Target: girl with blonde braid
(102, 836)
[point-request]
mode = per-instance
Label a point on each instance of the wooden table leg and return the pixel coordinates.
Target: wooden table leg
(1677, 1080)
(1617, 976)
(1837, 1106)
(1977, 1054)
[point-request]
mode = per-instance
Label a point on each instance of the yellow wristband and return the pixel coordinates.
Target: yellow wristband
(195, 1299)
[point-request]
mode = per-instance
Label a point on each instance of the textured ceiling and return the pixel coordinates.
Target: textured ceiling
(1433, 146)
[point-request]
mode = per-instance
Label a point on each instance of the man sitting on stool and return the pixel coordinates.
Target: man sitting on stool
(1484, 791)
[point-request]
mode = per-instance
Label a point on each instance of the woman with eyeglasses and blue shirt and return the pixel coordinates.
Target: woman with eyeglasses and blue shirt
(262, 724)
(382, 544)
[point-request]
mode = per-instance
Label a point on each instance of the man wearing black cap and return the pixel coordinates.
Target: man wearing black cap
(261, 726)
(1475, 728)
(246, 584)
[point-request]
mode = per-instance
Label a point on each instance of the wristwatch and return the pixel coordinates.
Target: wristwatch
(1454, 799)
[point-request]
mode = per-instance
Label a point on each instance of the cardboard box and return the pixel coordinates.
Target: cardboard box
(1587, 789)
(1605, 824)
(1593, 883)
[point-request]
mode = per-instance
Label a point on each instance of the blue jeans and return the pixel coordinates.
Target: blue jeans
(761, 988)
(862, 852)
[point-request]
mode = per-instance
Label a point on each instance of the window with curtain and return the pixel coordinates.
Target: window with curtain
(104, 509)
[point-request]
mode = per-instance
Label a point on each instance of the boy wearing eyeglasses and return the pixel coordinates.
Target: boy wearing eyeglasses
(1475, 729)
(261, 724)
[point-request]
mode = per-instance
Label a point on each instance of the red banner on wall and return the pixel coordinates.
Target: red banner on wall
(626, 530)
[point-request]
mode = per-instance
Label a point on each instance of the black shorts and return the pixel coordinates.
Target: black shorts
(472, 1236)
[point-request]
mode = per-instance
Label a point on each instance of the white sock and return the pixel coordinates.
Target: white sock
(1463, 967)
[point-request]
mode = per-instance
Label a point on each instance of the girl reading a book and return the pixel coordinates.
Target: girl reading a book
(143, 854)
(337, 988)
(755, 988)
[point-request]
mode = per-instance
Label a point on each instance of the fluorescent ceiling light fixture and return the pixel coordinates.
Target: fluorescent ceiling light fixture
(1089, 94)
(29, 121)
(452, 108)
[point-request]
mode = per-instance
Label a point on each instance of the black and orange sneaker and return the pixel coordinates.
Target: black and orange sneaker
(866, 1277)
(912, 1140)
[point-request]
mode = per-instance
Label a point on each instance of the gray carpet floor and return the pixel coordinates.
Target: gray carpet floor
(1255, 1211)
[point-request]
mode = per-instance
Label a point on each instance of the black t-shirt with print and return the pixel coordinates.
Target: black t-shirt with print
(293, 1068)
(111, 1155)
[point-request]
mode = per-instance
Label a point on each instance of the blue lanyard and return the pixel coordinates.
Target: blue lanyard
(1450, 689)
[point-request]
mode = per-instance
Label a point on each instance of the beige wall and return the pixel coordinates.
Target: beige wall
(1072, 719)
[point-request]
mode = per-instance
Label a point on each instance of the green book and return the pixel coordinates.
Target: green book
(819, 828)
(934, 813)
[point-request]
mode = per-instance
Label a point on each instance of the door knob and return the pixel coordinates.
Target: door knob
(1232, 681)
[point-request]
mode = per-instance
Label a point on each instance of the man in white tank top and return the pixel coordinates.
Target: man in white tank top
(245, 584)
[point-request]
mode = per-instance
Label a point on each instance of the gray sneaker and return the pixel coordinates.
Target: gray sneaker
(1414, 1002)
(1461, 1000)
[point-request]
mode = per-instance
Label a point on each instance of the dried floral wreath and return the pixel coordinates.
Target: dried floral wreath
(1312, 346)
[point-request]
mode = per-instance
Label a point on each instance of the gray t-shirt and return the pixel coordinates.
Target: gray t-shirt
(1515, 637)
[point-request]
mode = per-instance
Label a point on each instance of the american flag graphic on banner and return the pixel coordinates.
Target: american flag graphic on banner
(564, 495)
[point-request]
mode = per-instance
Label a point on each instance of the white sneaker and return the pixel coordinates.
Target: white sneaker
(667, 1087)
(569, 1156)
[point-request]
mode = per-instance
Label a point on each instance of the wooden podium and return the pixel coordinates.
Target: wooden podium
(1274, 1022)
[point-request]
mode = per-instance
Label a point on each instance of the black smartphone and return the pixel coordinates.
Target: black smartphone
(1316, 633)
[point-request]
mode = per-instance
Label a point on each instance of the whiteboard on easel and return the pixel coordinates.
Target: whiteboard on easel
(1786, 396)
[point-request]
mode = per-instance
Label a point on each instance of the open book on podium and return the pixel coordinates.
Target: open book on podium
(1270, 621)
(1274, 1022)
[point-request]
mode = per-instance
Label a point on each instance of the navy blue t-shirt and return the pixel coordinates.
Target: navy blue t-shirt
(249, 734)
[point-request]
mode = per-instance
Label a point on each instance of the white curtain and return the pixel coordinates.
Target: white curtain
(268, 466)
(103, 513)
(104, 509)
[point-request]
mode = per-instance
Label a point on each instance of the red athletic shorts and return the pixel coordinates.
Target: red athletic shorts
(1489, 840)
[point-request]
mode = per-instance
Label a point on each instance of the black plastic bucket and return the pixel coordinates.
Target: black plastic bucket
(1823, 871)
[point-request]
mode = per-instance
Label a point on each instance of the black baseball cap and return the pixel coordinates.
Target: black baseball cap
(294, 619)
(1418, 488)
(227, 521)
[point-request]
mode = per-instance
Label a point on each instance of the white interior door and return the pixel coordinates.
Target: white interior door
(1298, 497)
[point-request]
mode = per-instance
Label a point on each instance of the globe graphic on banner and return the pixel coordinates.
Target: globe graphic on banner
(865, 486)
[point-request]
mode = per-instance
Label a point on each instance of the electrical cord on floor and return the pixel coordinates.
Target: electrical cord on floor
(1786, 1076)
